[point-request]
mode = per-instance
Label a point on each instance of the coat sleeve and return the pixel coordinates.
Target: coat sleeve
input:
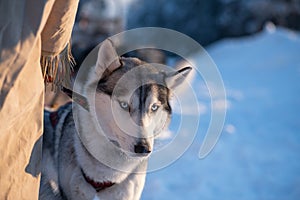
(56, 60)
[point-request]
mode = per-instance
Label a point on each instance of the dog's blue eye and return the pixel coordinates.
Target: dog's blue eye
(124, 105)
(154, 107)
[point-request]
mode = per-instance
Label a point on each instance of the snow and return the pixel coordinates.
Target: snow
(258, 153)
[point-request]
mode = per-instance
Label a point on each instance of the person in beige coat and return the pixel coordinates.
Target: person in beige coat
(34, 45)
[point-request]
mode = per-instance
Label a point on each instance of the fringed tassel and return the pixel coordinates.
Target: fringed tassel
(58, 69)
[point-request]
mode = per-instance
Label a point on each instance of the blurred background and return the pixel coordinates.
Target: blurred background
(256, 47)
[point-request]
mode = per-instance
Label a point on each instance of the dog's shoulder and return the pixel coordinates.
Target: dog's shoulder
(54, 120)
(54, 123)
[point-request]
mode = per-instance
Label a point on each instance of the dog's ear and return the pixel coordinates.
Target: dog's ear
(108, 59)
(175, 78)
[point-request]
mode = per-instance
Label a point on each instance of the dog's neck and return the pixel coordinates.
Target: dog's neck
(98, 186)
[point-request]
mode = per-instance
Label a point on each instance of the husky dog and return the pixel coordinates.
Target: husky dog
(130, 104)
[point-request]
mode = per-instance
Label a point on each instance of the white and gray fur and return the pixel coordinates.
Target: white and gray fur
(131, 106)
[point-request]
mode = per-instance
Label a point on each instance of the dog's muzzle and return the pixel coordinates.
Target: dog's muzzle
(142, 148)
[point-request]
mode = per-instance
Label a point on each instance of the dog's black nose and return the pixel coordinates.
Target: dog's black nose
(142, 148)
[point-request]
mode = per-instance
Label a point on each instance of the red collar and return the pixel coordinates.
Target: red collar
(97, 185)
(54, 118)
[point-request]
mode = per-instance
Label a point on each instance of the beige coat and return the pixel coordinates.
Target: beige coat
(29, 30)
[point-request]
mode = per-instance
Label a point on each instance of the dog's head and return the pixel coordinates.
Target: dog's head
(132, 99)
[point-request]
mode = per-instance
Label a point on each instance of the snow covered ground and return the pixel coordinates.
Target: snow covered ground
(258, 154)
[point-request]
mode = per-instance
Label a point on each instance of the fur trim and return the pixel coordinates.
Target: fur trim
(57, 68)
